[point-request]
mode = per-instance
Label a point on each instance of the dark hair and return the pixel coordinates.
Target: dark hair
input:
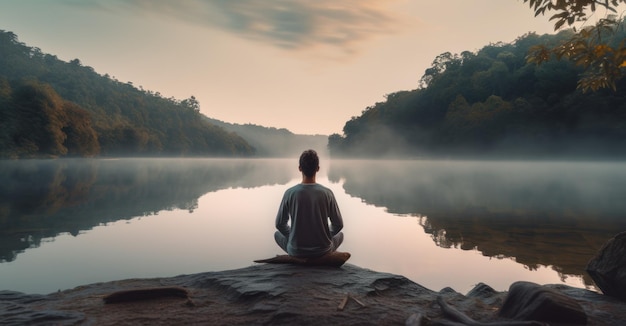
(309, 162)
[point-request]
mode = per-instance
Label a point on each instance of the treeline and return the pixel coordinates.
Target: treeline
(493, 103)
(53, 108)
(274, 142)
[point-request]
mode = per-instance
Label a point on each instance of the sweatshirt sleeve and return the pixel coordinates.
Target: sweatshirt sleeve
(336, 221)
(282, 217)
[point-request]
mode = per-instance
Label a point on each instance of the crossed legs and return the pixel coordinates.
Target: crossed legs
(282, 240)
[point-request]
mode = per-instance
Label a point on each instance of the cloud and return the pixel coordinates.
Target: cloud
(288, 24)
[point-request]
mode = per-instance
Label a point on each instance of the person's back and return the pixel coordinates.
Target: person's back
(308, 207)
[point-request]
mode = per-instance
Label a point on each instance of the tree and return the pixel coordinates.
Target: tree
(40, 119)
(591, 47)
(439, 65)
(82, 139)
(191, 104)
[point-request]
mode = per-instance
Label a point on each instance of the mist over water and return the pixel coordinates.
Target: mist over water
(537, 213)
(65, 223)
(431, 187)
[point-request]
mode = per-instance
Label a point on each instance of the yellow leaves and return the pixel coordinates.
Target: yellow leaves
(589, 48)
(602, 51)
(538, 54)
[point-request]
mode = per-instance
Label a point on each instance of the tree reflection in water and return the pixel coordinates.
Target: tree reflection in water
(554, 214)
(44, 198)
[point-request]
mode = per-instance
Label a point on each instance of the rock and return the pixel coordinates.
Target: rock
(532, 302)
(608, 267)
(486, 293)
(19, 309)
(277, 294)
(415, 320)
(457, 318)
(481, 290)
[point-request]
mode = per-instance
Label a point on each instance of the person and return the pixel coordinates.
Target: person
(305, 210)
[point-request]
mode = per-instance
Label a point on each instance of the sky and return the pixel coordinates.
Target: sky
(307, 66)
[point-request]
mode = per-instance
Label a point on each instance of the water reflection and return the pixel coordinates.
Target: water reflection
(538, 213)
(44, 198)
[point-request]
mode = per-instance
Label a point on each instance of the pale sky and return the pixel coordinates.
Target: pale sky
(304, 65)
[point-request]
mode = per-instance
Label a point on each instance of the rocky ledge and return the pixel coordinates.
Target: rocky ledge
(301, 295)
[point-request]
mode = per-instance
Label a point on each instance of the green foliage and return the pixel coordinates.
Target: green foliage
(596, 48)
(54, 108)
(492, 103)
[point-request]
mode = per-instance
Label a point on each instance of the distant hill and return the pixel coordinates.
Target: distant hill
(273, 142)
(493, 104)
(53, 108)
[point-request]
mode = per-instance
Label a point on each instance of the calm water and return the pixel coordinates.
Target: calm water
(64, 223)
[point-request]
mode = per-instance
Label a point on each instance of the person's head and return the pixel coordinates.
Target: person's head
(309, 163)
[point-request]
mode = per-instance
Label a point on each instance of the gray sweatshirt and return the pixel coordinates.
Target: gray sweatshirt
(308, 206)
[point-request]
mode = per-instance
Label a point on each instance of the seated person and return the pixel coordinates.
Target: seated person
(308, 206)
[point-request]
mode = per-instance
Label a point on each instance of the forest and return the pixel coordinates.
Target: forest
(52, 108)
(495, 103)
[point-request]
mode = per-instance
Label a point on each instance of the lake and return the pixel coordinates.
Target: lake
(65, 223)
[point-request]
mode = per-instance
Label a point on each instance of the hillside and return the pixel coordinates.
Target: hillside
(53, 108)
(274, 142)
(493, 104)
